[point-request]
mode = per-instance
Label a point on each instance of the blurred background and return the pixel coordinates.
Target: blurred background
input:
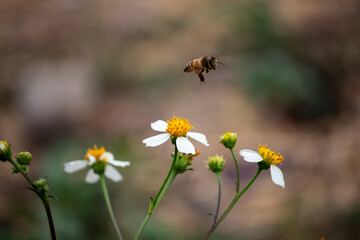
(78, 73)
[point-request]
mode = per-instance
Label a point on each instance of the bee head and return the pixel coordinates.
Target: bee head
(213, 62)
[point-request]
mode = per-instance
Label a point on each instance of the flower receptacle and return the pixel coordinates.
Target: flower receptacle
(99, 167)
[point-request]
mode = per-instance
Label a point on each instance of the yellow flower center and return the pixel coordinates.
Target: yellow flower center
(270, 156)
(178, 127)
(95, 152)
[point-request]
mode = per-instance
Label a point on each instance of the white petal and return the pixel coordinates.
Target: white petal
(198, 137)
(159, 125)
(184, 145)
(112, 173)
(156, 140)
(92, 159)
(118, 163)
(74, 166)
(250, 155)
(2, 146)
(91, 176)
(107, 157)
(277, 176)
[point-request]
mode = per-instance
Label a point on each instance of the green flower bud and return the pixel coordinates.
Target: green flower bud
(99, 167)
(182, 163)
(228, 139)
(23, 167)
(216, 163)
(41, 184)
(24, 158)
(5, 152)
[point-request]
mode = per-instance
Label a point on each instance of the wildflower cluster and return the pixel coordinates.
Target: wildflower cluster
(265, 158)
(101, 163)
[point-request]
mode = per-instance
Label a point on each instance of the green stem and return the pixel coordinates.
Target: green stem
(163, 189)
(237, 171)
(152, 208)
(168, 175)
(108, 204)
(162, 194)
(219, 197)
(50, 219)
(232, 204)
(41, 195)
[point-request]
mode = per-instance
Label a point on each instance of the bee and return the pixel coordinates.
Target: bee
(200, 65)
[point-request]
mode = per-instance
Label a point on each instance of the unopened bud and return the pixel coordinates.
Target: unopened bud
(24, 158)
(41, 184)
(229, 139)
(182, 163)
(216, 163)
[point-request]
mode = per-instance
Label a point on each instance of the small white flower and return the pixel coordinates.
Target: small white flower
(178, 129)
(270, 158)
(100, 161)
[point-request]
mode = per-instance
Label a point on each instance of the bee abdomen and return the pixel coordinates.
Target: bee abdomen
(189, 67)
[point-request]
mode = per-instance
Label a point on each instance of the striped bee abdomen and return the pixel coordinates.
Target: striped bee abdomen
(190, 66)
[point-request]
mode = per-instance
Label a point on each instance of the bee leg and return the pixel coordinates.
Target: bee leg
(208, 70)
(202, 79)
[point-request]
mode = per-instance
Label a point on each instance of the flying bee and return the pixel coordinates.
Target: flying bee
(200, 65)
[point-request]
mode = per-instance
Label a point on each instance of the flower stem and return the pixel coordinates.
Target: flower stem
(219, 197)
(42, 195)
(168, 175)
(232, 204)
(50, 219)
(163, 189)
(162, 194)
(108, 204)
(237, 183)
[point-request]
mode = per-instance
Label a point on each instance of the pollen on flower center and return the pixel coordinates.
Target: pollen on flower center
(95, 152)
(270, 156)
(178, 127)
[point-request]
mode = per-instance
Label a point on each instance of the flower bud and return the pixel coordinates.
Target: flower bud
(41, 184)
(24, 158)
(216, 163)
(229, 139)
(5, 152)
(182, 163)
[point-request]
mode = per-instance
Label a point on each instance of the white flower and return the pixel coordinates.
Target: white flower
(100, 162)
(178, 129)
(270, 159)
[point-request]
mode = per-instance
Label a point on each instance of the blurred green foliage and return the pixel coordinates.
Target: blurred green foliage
(275, 71)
